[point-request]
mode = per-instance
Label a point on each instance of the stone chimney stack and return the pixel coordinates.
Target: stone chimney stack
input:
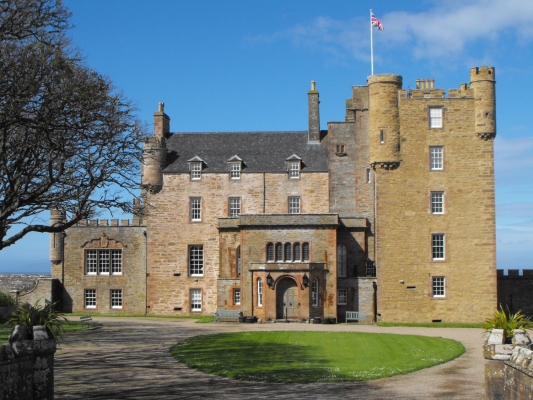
(314, 115)
(161, 122)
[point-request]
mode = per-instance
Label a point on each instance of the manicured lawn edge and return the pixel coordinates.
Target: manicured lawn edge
(431, 324)
(70, 326)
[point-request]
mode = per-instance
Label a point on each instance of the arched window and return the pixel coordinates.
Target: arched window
(314, 292)
(305, 251)
(297, 252)
(239, 260)
(279, 252)
(259, 292)
(288, 251)
(342, 261)
(270, 252)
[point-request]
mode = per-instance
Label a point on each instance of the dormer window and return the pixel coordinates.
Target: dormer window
(195, 168)
(235, 167)
(294, 165)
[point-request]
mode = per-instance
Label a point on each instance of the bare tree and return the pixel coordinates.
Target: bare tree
(68, 139)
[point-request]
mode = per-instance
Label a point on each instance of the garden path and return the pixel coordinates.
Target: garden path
(128, 358)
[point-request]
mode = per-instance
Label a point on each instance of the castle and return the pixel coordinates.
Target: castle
(390, 212)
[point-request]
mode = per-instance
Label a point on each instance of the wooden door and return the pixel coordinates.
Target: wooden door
(287, 299)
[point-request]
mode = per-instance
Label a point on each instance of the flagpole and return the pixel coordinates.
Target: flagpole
(371, 46)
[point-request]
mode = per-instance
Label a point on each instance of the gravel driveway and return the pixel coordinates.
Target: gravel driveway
(128, 358)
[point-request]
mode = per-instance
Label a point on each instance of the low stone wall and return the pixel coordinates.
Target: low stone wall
(508, 367)
(31, 288)
(27, 366)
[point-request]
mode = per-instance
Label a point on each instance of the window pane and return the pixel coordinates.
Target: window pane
(342, 261)
(259, 292)
(235, 170)
(270, 252)
(196, 208)
(116, 261)
(435, 117)
(103, 262)
(294, 169)
(90, 298)
(288, 251)
(236, 296)
(343, 297)
(196, 171)
(294, 205)
(116, 298)
(297, 256)
(196, 260)
(438, 286)
(279, 252)
(437, 244)
(91, 261)
(306, 251)
(437, 202)
(435, 155)
(314, 292)
(234, 206)
(238, 260)
(196, 300)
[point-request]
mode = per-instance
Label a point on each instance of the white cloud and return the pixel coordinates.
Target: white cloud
(443, 31)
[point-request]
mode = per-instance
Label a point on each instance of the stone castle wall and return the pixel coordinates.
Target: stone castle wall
(516, 291)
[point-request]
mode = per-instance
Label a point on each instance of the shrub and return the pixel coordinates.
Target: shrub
(31, 315)
(503, 319)
(6, 300)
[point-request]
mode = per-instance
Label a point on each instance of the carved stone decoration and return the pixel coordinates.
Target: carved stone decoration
(103, 243)
(486, 135)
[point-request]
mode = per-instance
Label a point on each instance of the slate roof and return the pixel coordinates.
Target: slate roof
(260, 151)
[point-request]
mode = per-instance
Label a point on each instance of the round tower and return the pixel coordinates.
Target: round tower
(384, 119)
(482, 81)
(56, 239)
(154, 154)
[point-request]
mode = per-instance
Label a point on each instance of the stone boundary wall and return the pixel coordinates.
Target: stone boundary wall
(516, 291)
(511, 379)
(31, 288)
(27, 367)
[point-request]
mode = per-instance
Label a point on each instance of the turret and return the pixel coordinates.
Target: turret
(384, 119)
(56, 239)
(154, 152)
(314, 115)
(482, 81)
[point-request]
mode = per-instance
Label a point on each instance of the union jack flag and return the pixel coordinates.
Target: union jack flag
(376, 23)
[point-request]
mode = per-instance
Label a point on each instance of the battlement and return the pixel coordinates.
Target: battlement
(110, 222)
(514, 274)
(425, 89)
(482, 74)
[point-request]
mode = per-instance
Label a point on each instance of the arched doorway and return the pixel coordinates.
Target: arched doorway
(286, 299)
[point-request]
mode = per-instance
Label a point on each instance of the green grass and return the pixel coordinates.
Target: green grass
(431, 324)
(284, 357)
(201, 319)
(5, 329)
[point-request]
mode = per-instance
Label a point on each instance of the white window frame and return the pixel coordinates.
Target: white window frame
(436, 158)
(103, 262)
(195, 171)
(237, 297)
(89, 298)
(234, 206)
(437, 202)
(294, 169)
(435, 117)
(196, 260)
(342, 261)
(314, 293)
(438, 246)
(235, 170)
(259, 292)
(438, 286)
(294, 204)
(195, 296)
(115, 296)
(195, 209)
(342, 297)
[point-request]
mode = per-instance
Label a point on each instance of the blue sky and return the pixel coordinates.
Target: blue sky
(246, 65)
